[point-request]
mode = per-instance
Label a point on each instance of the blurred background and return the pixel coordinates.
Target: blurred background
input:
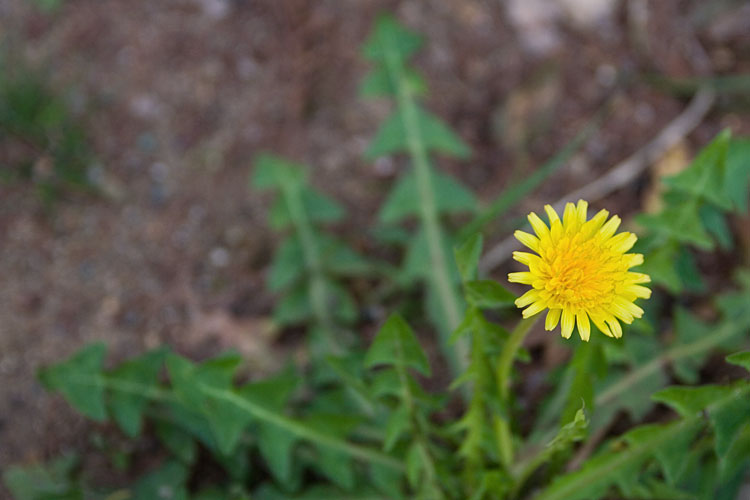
(128, 129)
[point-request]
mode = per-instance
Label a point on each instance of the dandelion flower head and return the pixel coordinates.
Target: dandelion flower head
(580, 272)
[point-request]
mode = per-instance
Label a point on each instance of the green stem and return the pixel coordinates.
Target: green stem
(441, 279)
(504, 365)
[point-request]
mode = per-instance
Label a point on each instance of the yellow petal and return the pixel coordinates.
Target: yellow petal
(569, 217)
(584, 328)
(639, 291)
(633, 259)
(595, 223)
(582, 211)
(610, 227)
(533, 309)
(525, 278)
(568, 320)
(523, 257)
(615, 326)
(623, 242)
(539, 227)
(601, 325)
(553, 317)
(637, 278)
(528, 240)
(551, 214)
(527, 298)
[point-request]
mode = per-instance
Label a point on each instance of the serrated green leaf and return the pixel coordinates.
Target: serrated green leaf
(671, 454)
(467, 256)
(572, 432)
(690, 400)
(127, 407)
(404, 199)
(705, 177)
(335, 465)
(727, 418)
(276, 445)
(737, 457)
(488, 294)
(393, 137)
(716, 224)
(379, 83)
(390, 39)
(80, 380)
(192, 383)
(395, 344)
(679, 223)
(740, 359)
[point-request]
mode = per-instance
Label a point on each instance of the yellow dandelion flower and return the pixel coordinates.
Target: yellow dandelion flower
(580, 272)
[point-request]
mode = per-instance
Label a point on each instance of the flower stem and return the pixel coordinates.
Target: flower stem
(507, 355)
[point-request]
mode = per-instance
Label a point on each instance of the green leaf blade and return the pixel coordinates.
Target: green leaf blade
(396, 344)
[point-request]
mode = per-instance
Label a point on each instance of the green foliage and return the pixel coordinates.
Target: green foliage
(49, 146)
(308, 263)
(420, 191)
(204, 405)
(696, 204)
(397, 345)
(379, 423)
(51, 481)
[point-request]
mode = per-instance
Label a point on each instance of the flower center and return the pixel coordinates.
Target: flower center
(580, 275)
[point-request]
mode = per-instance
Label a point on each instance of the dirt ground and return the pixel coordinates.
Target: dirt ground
(178, 96)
